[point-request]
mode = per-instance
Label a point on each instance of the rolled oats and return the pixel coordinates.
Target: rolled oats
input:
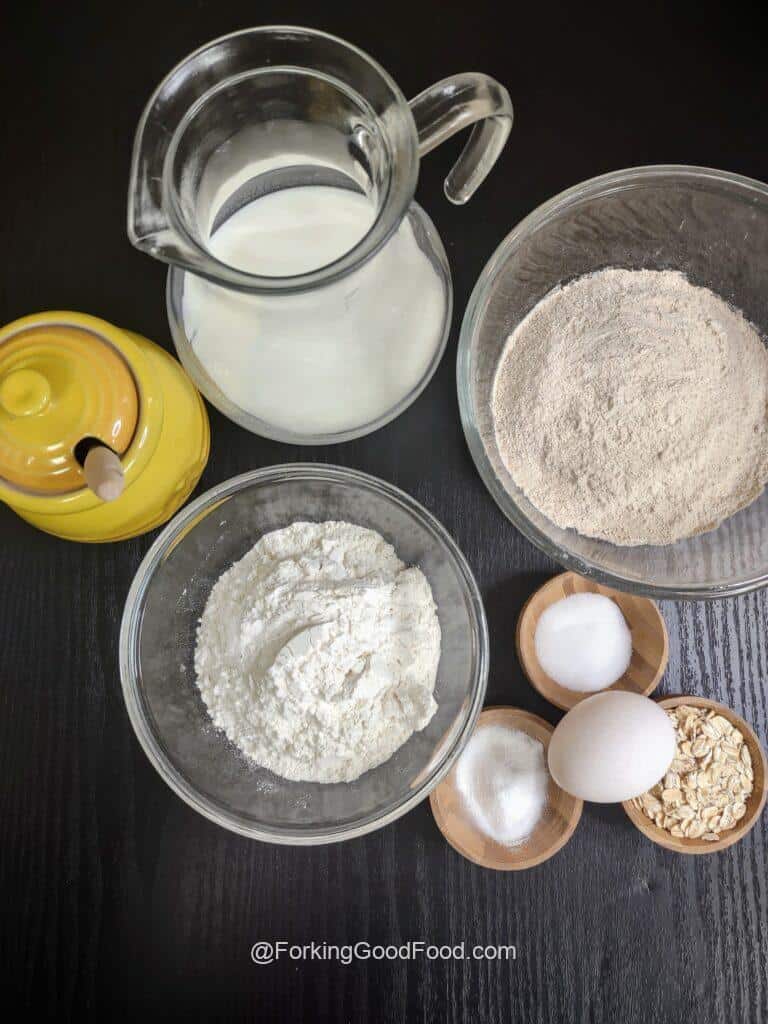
(706, 788)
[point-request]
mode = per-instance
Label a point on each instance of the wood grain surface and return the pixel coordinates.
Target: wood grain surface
(118, 900)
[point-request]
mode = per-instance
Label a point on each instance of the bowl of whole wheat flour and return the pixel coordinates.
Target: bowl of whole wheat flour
(613, 380)
(303, 654)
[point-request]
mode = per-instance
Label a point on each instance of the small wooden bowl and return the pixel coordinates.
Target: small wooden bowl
(755, 803)
(553, 831)
(650, 643)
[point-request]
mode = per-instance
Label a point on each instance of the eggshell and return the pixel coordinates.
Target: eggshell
(611, 747)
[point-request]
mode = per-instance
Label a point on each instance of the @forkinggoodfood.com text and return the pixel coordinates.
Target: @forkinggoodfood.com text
(263, 953)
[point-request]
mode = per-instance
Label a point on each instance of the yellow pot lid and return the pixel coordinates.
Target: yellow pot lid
(59, 384)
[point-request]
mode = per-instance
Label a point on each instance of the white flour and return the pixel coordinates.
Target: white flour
(632, 405)
(317, 652)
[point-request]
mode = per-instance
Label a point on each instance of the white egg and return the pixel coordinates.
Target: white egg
(611, 747)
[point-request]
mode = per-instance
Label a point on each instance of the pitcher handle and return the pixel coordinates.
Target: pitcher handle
(458, 102)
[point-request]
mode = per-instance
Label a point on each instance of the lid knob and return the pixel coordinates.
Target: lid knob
(24, 392)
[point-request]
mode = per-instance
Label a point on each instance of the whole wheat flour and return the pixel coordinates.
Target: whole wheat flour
(317, 652)
(632, 406)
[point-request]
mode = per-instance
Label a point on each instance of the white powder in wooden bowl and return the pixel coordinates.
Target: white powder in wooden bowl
(502, 778)
(632, 406)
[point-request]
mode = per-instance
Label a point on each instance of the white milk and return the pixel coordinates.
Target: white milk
(330, 359)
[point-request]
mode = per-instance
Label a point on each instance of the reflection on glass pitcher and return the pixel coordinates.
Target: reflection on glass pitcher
(275, 168)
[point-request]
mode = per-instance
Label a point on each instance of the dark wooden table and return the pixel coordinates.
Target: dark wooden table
(118, 898)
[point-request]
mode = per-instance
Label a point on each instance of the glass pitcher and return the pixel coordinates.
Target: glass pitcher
(309, 297)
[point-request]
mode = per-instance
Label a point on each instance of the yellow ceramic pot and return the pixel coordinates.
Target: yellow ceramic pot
(67, 378)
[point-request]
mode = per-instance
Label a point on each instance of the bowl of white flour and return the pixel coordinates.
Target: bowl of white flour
(303, 654)
(613, 380)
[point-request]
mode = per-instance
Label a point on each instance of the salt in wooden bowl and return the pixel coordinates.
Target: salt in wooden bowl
(552, 832)
(650, 642)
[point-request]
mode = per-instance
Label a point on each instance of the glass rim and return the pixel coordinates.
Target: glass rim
(401, 183)
(603, 184)
(130, 628)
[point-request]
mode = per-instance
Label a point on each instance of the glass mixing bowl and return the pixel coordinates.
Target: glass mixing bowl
(157, 642)
(712, 226)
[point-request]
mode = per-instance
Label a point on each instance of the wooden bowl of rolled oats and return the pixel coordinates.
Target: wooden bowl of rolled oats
(715, 789)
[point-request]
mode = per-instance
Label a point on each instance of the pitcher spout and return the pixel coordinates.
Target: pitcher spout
(149, 223)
